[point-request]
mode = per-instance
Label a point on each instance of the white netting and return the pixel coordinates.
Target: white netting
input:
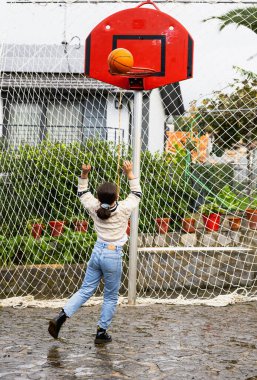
(197, 230)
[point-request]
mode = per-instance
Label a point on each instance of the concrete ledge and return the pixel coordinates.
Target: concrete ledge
(47, 280)
(195, 249)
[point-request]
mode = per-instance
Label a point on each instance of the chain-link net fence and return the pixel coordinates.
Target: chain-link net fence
(197, 228)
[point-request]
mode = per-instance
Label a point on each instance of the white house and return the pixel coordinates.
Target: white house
(44, 93)
(41, 50)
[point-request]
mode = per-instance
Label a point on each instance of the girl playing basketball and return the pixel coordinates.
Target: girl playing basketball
(110, 222)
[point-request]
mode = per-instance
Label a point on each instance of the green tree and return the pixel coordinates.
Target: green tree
(232, 117)
(246, 17)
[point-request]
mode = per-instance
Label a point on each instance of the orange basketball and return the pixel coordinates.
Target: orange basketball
(120, 61)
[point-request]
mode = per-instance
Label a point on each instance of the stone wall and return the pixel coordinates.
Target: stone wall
(46, 281)
(223, 268)
(202, 269)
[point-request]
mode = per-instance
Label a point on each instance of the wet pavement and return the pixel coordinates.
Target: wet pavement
(153, 342)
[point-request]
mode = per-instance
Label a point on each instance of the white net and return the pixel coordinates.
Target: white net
(197, 234)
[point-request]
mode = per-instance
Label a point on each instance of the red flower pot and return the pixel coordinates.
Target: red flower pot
(211, 222)
(128, 228)
(188, 225)
(57, 227)
(162, 225)
(81, 226)
(37, 230)
(234, 223)
(251, 215)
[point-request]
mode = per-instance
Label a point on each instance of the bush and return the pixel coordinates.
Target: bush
(41, 185)
(42, 180)
(213, 177)
(71, 247)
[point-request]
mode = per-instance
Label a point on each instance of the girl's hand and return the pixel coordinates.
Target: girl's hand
(128, 169)
(85, 170)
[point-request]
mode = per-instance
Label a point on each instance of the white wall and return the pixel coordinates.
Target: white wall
(215, 52)
(156, 122)
(117, 119)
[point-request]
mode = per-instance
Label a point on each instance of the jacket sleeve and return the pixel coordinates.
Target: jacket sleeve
(86, 197)
(132, 201)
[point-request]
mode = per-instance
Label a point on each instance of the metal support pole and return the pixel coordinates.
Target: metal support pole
(136, 146)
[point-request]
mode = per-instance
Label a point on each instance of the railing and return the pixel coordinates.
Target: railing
(16, 135)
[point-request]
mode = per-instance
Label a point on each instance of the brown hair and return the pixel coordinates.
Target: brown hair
(106, 193)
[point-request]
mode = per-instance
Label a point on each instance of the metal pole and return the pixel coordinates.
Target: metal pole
(136, 146)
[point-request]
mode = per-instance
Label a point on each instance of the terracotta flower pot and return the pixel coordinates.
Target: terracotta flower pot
(57, 227)
(251, 215)
(162, 225)
(211, 222)
(37, 230)
(128, 228)
(188, 225)
(234, 223)
(81, 226)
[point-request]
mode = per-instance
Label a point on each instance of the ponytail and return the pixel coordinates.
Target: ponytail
(103, 213)
(107, 194)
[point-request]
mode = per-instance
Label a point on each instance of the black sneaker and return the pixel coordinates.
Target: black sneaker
(56, 323)
(102, 337)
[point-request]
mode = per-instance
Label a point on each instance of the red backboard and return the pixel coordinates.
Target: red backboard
(156, 40)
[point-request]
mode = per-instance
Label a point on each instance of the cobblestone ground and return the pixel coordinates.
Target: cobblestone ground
(154, 342)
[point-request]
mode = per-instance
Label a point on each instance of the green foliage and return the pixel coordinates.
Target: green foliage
(230, 200)
(211, 178)
(167, 190)
(241, 17)
(71, 247)
(42, 183)
(235, 117)
(227, 200)
(231, 116)
(211, 207)
(42, 180)
(249, 75)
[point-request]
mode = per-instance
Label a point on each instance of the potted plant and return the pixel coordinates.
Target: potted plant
(162, 225)
(225, 200)
(211, 212)
(234, 222)
(188, 224)
(251, 213)
(80, 225)
(57, 225)
(36, 228)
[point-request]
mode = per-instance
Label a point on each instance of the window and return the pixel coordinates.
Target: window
(31, 117)
(64, 121)
(94, 120)
(23, 123)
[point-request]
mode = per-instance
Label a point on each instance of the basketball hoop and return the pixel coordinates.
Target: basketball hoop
(137, 72)
(136, 77)
(161, 47)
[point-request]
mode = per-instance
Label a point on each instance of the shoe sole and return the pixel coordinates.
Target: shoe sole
(101, 341)
(52, 329)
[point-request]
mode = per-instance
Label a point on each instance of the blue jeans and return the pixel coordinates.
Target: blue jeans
(103, 263)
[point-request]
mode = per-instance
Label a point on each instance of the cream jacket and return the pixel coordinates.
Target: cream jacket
(114, 228)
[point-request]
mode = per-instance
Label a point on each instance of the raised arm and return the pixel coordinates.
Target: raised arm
(132, 201)
(87, 199)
